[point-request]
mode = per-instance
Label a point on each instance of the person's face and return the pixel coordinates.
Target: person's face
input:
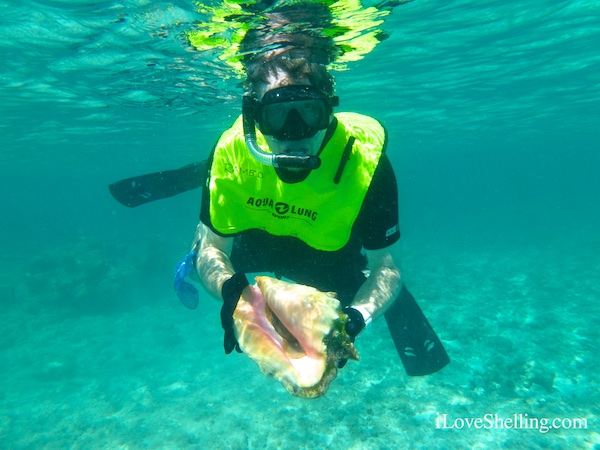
(294, 118)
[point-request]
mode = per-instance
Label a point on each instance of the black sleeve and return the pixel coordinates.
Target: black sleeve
(205, 204)
(379, 214)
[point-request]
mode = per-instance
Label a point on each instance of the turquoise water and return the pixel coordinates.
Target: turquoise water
(493, 114)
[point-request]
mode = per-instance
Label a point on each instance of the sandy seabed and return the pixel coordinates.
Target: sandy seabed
(85, 366)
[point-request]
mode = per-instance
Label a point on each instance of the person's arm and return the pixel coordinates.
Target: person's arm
(216, 273)
(381, 287)
(213, 266)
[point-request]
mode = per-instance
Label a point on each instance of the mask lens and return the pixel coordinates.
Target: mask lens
(272, 118)
(298, 111)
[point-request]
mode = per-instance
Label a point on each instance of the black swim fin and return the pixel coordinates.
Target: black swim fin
(419, 348)
(142, 189)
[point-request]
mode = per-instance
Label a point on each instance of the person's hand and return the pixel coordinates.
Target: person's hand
(231, 291)
(354, 325)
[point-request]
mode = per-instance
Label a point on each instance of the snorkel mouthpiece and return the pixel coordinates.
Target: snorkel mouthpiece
(310, 162)
(297, 161)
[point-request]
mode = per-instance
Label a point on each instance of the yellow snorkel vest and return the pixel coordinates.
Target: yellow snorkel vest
(320, 210)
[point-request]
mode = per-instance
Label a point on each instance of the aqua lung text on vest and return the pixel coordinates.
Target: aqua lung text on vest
(281, 210)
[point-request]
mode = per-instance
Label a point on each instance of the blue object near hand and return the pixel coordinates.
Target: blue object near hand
(186, 292)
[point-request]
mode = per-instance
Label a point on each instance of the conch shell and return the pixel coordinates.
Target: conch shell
(295, 333)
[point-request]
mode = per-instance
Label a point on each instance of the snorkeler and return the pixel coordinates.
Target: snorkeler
(294, 189)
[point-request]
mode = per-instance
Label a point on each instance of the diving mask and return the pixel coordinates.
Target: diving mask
(291, 113)
(287, 113)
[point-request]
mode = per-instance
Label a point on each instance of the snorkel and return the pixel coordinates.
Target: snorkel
(309, 162)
